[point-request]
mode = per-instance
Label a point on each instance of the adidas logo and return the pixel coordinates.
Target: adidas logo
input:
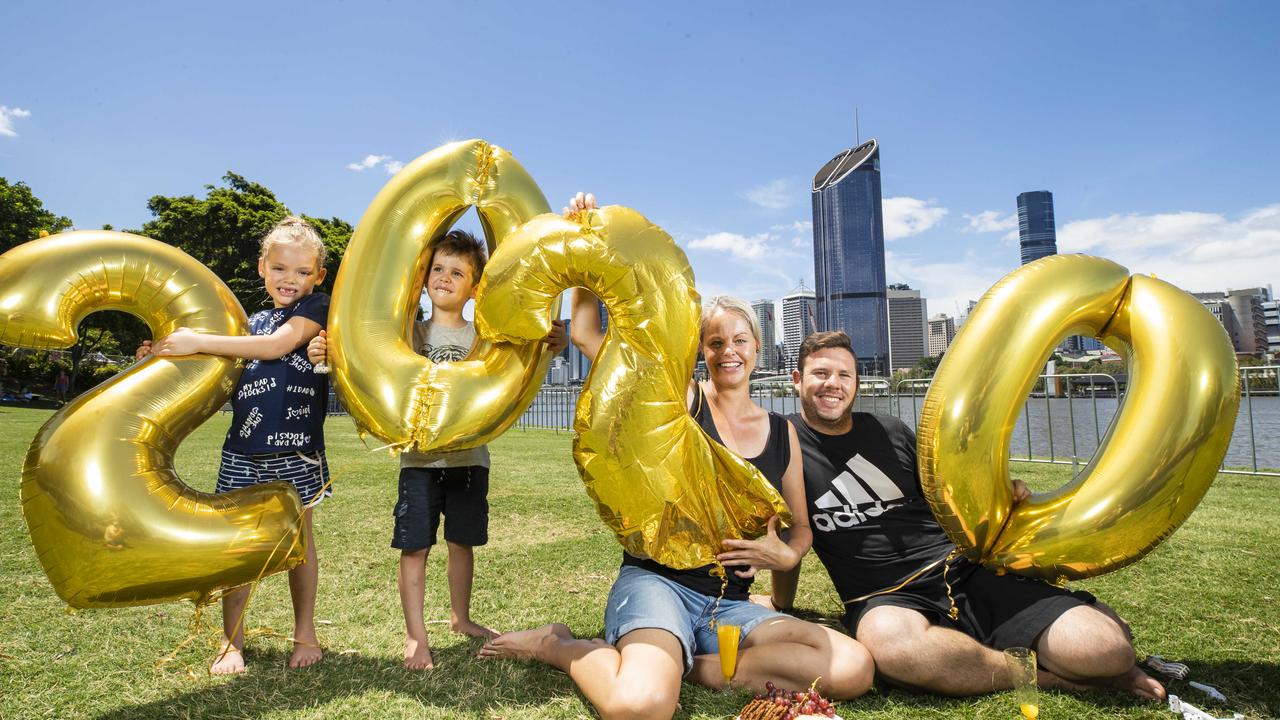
(862, 491)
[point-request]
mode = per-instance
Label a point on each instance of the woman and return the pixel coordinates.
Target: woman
(656, 618)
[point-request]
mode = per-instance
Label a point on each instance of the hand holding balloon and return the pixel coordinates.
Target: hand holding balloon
(768, 552)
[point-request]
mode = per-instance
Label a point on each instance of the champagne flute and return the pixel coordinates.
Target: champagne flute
(728, 635)
(1022, 668)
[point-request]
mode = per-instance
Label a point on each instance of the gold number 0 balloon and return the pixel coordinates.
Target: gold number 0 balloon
(658, 481)
(1153, 466)
(390, 390)
(110, 521)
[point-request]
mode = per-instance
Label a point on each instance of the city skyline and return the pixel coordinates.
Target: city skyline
(709, 123)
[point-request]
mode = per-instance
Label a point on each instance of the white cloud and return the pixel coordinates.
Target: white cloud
(1196, 251)
(7, 116)
(389, 164)
(743, 247)
(775, 195)
(907, 216)
(801, 232)
(991, 221)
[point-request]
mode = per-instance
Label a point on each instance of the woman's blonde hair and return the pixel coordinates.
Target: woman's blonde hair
(728, 303)
(294, 230)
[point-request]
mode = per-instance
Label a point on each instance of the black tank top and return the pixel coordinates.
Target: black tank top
(771, 462)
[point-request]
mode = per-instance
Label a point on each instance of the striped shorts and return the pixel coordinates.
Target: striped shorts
(308, 472)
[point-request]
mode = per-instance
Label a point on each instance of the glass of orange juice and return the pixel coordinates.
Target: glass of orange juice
(728, 635)
(1022, 667)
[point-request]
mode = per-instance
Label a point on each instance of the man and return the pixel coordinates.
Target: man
(931, 619)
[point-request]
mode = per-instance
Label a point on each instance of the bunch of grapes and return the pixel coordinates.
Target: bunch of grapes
(798, 702)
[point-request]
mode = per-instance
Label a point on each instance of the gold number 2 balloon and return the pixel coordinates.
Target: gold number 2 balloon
(1154, 464)
(390, 390)
(109, 519)
(658, 481)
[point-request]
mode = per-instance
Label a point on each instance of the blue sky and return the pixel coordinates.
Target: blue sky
(1152, 123)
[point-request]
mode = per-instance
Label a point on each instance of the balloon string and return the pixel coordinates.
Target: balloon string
(911, 578)
(723, 572)
(195, 627)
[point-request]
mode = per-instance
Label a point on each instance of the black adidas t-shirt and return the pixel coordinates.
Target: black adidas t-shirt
(872, 527)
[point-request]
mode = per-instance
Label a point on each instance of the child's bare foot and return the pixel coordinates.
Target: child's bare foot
(229, 661)
(306, 650)
(466, 627)
(417, 654)
(524, 645)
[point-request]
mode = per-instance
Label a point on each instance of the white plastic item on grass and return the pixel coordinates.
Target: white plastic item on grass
(1191, 712)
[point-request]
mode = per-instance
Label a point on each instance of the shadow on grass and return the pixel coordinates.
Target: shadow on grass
(460, 683)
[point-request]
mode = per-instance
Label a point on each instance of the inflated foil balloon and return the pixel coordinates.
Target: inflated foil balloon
(391, 391)
(109, 518)
(1153, 466)
(659, 482)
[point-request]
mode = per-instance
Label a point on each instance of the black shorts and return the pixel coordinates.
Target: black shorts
(459, 493)
(999, 611)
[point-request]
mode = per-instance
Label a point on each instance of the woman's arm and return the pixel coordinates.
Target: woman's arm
(584, 330)
(770, 552)
(288, 337)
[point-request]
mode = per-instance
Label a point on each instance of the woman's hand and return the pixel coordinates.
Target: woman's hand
(578, 203)
(318, 349)
(183, 341)
(766, 553)
(556, 339)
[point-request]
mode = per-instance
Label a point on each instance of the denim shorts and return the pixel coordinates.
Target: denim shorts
(644, 600)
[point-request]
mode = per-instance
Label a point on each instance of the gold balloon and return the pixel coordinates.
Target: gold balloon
(109, 518)
(1153, 466)
(390, 390)
(659, 482)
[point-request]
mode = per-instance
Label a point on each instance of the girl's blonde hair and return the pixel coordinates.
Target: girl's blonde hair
(728, 303)
(294, 230)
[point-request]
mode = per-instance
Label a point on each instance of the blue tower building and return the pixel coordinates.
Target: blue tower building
(1037, 233)
(848, 254)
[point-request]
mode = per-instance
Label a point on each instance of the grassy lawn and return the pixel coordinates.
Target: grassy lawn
(1206, 597)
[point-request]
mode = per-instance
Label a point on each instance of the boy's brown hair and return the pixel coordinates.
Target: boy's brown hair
(824, 341)
(460, 243)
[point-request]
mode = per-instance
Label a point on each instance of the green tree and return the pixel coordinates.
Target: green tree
(224, 230)
(22, 215)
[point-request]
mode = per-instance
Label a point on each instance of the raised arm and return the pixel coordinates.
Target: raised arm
(288, 337)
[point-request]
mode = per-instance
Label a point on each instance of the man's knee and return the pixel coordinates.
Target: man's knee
(888, 634)
(1085, 637)
(637, 701)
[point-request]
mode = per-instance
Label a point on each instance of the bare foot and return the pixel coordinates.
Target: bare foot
(1135, 682)
(306, 651)
(229, 661)
(524, 645)
(417, 654)
(764, 601)
(466, 627)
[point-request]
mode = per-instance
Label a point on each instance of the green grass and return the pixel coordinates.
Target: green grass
(1206, 597)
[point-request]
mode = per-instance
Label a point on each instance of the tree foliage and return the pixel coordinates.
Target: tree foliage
(23, 216)
(224, 230)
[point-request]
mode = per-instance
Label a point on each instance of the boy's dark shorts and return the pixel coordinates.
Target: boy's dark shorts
(460, 494)
(999, 611)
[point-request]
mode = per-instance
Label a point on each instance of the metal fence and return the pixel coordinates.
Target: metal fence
(1046, 438)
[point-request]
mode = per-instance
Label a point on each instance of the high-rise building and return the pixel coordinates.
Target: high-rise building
(942, 330)
(1243, 315)
(1037, 233)
(908, 327)
(768, 359)
(848, 254)
(1271, 320)
(797, 323)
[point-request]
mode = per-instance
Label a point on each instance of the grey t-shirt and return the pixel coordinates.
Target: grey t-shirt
(444, 344)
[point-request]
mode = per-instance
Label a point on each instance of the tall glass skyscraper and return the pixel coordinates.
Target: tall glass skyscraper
(1036, 231)
(848, 254)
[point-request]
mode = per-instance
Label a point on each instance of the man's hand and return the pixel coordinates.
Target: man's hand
(183, 341)
(578, 203)
(556, 340)
(766, 553)
(1020, 492)
(318, 349)
(143, 351)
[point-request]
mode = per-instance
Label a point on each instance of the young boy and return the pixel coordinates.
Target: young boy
(278, 411)
(452, 484)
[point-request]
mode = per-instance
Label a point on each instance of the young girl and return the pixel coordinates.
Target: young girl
(278, 411)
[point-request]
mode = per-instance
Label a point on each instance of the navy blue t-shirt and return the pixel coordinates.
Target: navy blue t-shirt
(279, 405)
